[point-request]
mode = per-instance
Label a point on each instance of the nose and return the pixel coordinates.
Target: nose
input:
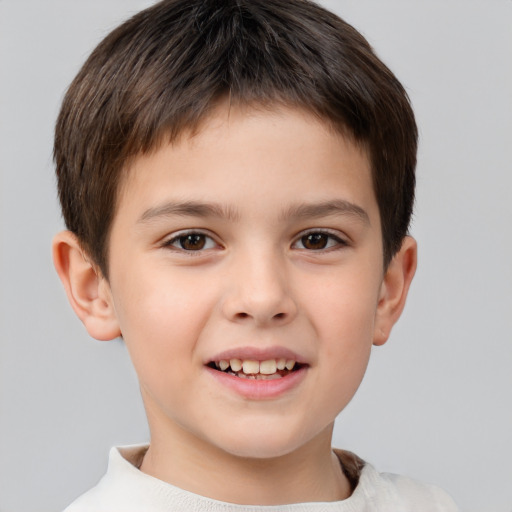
(259, 291)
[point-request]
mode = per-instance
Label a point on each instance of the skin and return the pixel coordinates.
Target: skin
(258, 284)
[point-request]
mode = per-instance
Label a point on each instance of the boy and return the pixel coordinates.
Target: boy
(237, 178)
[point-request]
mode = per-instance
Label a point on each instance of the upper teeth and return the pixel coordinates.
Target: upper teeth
(252, 366)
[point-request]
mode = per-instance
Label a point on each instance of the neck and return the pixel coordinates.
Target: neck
(311, 473)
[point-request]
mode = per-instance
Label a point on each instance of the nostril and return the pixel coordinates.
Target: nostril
(243, 316)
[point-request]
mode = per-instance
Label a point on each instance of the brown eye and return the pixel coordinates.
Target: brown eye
(192, 242)
(319, 241)
(315, 241)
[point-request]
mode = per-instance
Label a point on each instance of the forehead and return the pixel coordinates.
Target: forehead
(252, 153)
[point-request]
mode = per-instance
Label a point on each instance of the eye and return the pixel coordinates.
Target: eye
(191, 242)
(318, 241)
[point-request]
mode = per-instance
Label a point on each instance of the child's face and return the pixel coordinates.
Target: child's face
(258, 239)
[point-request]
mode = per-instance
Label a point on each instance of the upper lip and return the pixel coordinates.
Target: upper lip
(257, 354)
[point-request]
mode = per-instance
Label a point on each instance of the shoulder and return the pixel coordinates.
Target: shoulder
(122, 487)
(403, 494)
(424, 497)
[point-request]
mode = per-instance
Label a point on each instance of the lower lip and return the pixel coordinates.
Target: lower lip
(259, 389)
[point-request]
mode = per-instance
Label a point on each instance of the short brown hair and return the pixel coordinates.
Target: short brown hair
(164, 70)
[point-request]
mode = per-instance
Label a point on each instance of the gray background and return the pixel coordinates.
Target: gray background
(437, 400)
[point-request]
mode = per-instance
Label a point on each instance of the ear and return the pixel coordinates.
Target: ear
(394, 288)
(87, 290)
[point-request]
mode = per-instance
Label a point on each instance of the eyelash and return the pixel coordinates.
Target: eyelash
(180, 238)
(332, 241)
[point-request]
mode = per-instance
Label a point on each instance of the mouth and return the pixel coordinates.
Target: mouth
(269, 369)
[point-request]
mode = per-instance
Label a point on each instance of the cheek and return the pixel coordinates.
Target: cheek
(160, 319)
(343, 316)
(346, 338)
(343, 307)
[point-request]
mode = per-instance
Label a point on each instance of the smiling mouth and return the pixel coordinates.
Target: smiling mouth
(269, 369)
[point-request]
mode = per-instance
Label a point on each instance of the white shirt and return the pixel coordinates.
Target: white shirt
(124, 488)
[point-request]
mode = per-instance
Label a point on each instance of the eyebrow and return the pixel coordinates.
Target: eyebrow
(325, 209)
(300, 211)
(188, 209)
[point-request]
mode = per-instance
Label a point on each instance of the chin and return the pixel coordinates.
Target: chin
(263, 451)
(260, 443)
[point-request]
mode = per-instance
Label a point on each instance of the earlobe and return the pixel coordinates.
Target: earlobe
(394, 289)
(87, 290)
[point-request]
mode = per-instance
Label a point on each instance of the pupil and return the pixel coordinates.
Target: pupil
(315, 241)
(192, 242)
